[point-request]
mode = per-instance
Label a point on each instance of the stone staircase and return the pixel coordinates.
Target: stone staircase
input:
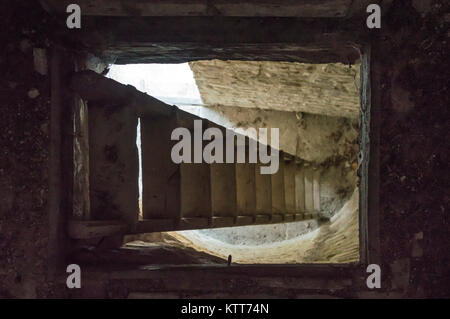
(176, 196)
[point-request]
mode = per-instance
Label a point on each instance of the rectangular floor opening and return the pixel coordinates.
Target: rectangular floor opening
(316, 109)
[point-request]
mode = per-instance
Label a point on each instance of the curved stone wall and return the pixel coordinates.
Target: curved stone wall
(336, 241)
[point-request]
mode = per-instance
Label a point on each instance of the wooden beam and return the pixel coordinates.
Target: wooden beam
(245, 182)
(299, 190)
(56, 186)
(92, 86)
(309, 189)
(316, 190)
(223, 185)
(263, 190)
(95, 229)
(278, 198)
(247, 8)
(113, 162)
(195, 177)
(289, 186)
(160, 175)
(156, 225)
(125, 40)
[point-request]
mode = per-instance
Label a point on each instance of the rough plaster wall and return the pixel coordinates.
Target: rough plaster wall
(336, 241)
(336, 185)
(258, 235)
(328, 89)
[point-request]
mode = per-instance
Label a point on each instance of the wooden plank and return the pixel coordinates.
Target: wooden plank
(278, 199)
(309, 191)
(223, 186)
(156, 225)
(159, 225)
(263, 184)
(92, 86)
(55, 178)
(195, 190)
(195, 185)
(95, 229)
(218, 222)
(289, 186)
(223, 189)
(299, 189)
(244, 220)
(316, 190)
(310, 215)
(113, 162)
(194, 223)
(81, 200)
(288, 218)
(176, 39)
(172, 190)
(276, 218)
(262, 219)
(369, 196)
(160, 175)
(248, 8)
(245, 183)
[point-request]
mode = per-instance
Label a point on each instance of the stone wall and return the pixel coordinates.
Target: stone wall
(24, 140)
(335, 241)
(413, 63)
(312, 138)
(327, 89)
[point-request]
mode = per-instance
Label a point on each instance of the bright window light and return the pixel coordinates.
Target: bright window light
(170, 83)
